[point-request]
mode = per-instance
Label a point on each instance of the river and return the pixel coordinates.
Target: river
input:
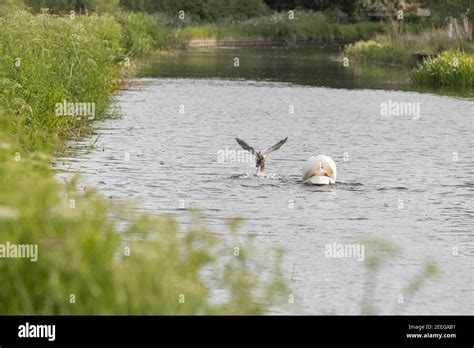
(404, 161)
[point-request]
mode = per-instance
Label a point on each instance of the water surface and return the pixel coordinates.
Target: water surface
(406, 179)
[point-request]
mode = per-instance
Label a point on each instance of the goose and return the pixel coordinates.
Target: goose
(260, 156)
(320, 170)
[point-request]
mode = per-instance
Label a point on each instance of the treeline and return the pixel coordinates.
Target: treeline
(201, 10)
(211, 10)
(236, 10)
(346, 6)
(196, 10)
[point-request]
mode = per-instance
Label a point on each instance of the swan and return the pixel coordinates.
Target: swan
(320, 170)
(260, 156)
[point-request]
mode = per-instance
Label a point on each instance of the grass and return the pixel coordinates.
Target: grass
(380, 49)
(46, 60)
(451, 68)
(377, 50)
(450, 63)
(87, 264)
(305, 25)
(143, 33)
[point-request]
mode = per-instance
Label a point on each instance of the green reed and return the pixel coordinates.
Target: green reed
(451, 68)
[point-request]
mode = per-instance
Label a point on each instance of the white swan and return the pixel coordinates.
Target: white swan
(320, 170)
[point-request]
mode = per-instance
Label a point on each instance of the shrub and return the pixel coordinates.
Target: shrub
(451, 68)
(306, 25)
(430, 42)
(142, 32)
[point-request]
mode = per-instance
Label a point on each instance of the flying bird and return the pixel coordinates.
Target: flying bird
(260, 156)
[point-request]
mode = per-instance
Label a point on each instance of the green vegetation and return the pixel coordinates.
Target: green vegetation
(194, 10)
(376, 51)
(450, 63)
(305, 25)
(409, 42)
(201, 10)
(86, 263)
(451, 68)
(380, 49)
(48, 60)
(143, 33)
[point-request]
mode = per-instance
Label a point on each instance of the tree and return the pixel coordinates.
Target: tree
(202, 10)
(64, 6)
(347, 6)
(453, 8)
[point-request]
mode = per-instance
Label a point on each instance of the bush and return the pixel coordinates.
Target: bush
(80, 6)
(375, 51)
(201, 10)
(451, 68)
(142, 33)
(306, 25)
(430, 42)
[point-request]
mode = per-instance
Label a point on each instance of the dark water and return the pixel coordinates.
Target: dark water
(407, 179)
(305, 65)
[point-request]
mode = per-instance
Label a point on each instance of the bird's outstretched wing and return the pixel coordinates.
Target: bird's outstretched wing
(275, 147)
(245, 146)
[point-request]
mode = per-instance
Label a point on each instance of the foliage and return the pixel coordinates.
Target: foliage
(200, 10)
(380, 49)
(46, 60)
(80, 6)
(377, 51)
(451, 68)
(454, 8)
(347, 7)
(142, 32)
(306, 25)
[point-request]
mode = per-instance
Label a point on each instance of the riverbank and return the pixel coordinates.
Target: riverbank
(305, 26)
(366, 42)
(258, 42)
(86, 263)
(426, 53)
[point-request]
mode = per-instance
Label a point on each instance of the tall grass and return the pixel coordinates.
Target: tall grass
(305, 25)
(430, 42)
(451, 68)
(86, 263)
(143, 33)
(378, 50)
(46, 60)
